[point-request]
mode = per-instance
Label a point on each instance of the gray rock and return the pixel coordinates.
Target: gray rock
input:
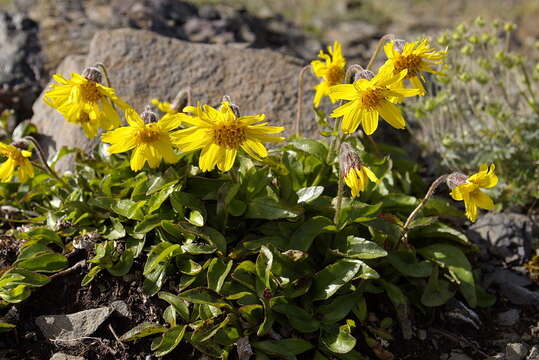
(62, 356)
(120, 307)
(534, 353)
(499, 356)
(68, 328)
(143, 65)
(507, 235)
(21, 66)
(509, 317)
(516, 351)
(457, 355)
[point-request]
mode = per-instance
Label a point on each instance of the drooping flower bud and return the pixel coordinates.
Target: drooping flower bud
(355, 174)
(398, 44)
(148, 115)
(93, 74)
(235, 108)
(363, 74)
(455, 179)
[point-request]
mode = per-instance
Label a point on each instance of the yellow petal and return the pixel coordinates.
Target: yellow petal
(482, 200)
(370, 174)
(344, 92)
(210, 156)
(370, 121)
(392, 115)
(227, 161)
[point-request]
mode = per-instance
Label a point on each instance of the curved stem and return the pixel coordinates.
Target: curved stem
(44, 161)
(381, 42)
(299, 113)
(105, 72)
(184, 95)
(413, 214)
(340, 188)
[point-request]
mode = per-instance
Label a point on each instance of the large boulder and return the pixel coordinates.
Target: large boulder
(143, 65)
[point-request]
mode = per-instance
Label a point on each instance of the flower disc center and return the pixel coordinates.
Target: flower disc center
(89, 92)
(371, 98)
(229, 135)
(335, 75)
(148, 134)
(411, 62)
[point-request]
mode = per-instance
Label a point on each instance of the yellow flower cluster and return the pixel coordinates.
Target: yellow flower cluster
(17, 161)
(220, 133)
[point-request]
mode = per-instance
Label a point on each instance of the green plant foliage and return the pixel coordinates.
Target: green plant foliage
(485, 108)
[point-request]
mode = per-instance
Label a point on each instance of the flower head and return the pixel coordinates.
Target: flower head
(415, 57)
(82, 100)
(16, 158)
(369, 99)
(468, 190)
(355, 175)
(150, 138)
(220, 133)
(331, 71)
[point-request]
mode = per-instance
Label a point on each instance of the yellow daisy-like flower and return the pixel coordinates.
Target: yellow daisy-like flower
(16, 158)
(82, 100)
(220, 133)
(369, 99)
(416, 57)
(150, 139)
(332, 71)
(165, 107)
(469, 191)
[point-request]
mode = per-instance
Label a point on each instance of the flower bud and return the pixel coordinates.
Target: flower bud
(148, 115)
(92, 74)
(363, 74)
(509, 27)
(479, 21)
(455, 179)
(349, 159)
(21, 144)
(235, 108)
(398, 45)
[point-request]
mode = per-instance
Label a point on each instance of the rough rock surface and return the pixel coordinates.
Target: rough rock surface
(62, 356)
(66, 328)
(143, 65)
(20, 63)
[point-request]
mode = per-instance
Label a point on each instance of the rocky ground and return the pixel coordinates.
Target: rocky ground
(154, 48)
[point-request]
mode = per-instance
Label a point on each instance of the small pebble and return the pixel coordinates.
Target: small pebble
(516, 351)
(509, 317)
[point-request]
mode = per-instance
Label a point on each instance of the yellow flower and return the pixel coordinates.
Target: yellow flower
(355, 175)
(469, 191)
(82, 100)
(220, 133)
(15, 158)
(151, 140)
(369, 99)
(415, 57)
(332, 71)
(164, 107)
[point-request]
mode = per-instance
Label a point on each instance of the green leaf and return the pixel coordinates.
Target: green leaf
(400, 302)
(5, 327)
(188, 266)
(43, 261)
(245, 274)
(217, 273)
(24, 277)
(439, 231)
(181, 306)
(399, 201)
(304, 236)
(361, 213)
(310, 146)
(147, 224)
(359, 248)
(159, 253)
(202, 295)
(128, 208)
(458, 265)
(338, 340)
(406, 263)
(214, 237)
(117, 231)
(330, 279)
(142, 330)
(156, 200)
(91, 275)
(286, 347)
(308, 194)
(338, 308)
(124, 264)
(300, 319)
(196, 218)
(437, 292)
(209, 328)
(268, 209)
(170, 339)
(264, 262)
(44, 235)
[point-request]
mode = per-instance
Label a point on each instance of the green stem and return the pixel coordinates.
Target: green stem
(381, 43)
(340, 188)
(44, 161)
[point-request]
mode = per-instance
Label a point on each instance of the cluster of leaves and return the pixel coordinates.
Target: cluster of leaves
(250, 256)
(485, 108)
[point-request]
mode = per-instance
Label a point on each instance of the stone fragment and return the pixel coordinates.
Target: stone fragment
(62, 356)
(509, 317)
(516, 351)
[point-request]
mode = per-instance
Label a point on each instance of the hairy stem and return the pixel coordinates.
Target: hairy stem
(381, 43)
(299, 113)
(413, 214)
